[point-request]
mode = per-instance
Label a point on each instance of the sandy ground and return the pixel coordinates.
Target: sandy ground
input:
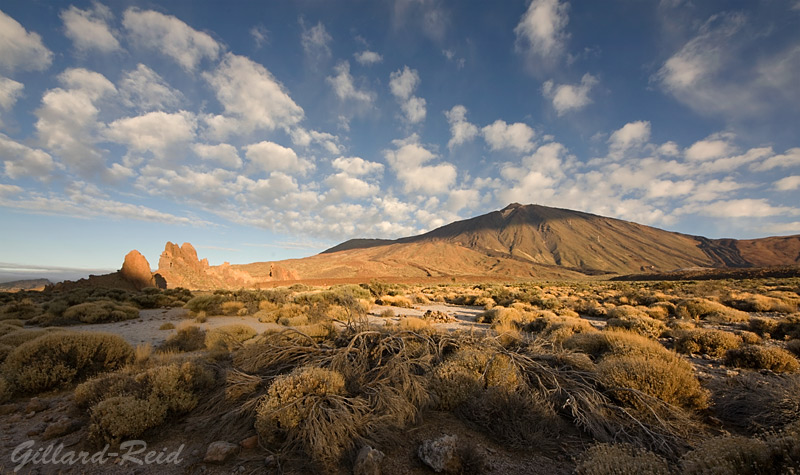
(145, 329)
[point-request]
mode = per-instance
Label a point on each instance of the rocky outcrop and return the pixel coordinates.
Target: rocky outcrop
(136, 270)
(179, 266)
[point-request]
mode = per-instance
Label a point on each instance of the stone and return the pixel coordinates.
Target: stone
(220, 451)
(136, 270)
(250, 442)
(368, 461)
(441, 454)
(36, 430)
(61, 427)
(36, 405)
(271, 462)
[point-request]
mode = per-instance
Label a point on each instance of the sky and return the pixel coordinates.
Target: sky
(268, 130)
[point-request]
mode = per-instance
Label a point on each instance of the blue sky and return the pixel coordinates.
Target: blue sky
(266, 130)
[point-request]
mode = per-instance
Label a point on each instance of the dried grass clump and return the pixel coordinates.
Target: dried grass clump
(763, 326)
(557, 328)
(211, 304)
(233, 308)
(5, 390)
(787, 327)
(395, 301)
(227, 337)
(762, 357)
(187, 338)
(620, 459)
(470, 369)
(167, 326)
(56, 359)
(22, 309)
(793, 346)
(635, 320)
(100, 311)
(754, 402)
(414, 324)
(618, 343)
(6, 328)
(660, 310)
(729, 454)
(673, 382)
(704, 309)
(21, 336)
(749, 338)
(124, 417)
(761, 303)
(713, 343)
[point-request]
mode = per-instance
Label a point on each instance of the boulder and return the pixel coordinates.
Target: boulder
(441, 454)
(136, 270)
(368, 461)
(220, 451)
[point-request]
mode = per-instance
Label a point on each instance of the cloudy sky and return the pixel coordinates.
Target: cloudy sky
(266, 130)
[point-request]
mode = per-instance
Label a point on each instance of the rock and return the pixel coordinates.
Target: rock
(250, 442)
(63, 426)
(441, 454)
(136, 270)
(271, 462)
(368, 461)
(7, 409)
(36, 405)
(36, 430)
(220, 451)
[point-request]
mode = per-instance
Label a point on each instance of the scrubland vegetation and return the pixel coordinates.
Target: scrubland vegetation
(599, 377)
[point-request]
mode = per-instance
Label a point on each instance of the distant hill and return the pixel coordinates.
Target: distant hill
(30, 284)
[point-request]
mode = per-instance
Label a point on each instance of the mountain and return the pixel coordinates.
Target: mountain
(29, 284)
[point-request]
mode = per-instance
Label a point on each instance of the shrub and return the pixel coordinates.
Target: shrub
(704, 309)
(749, 338)
(787, 327)
(60, 358)
(763, 326)
(761, 303)
(167, 326)
(793, 346)
(20, 336)
(413, 324)
(613, 459)
(388, 313)
(210, 303)
(233, 308)
(228, 336)
(100, 312)
(105, 386)
(124, 417)
(6, 328)
(469, 369)
(5, 390)
(762, 357)
(22, 309)
(755, 402)
(670, 381)
(174, 385)
(188, 338)
(618, 343)
(635, 320)
(710, 342)
(395, 301)
(728, 454)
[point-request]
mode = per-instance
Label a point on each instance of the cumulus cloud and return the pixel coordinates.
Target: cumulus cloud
(223, 154)
(89, 30)
(10, 91)
(630, 136)
(356, 166)
(344, 87)
(170, 36)
(342, 184)
(710, 148)
(268, 156)
(500, 135)
(409, 160)
(461, 130)
(541, 33)
(368, 57)
(568, 97)
(402, 84)
(788, 183)
(315, 41)
(143, 89)
(21, 161)
(790, 158)
(22, 50)
(739, 208)
(304, 138)
(248, 91)
(159, 133)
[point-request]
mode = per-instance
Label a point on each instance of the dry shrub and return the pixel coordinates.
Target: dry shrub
(21, 336)
(4, 351)
(620, 459)
(557, 328)
(670, 381)
(754, 402)
(293, 321)
(618, 343)
(60, 358)
(704, 309)
(105, 386)
(414, 324)
(713, 343)
(388, 313)
(308, 407)
(167, 326)
(661, 310)
(6, 328)
(421, 298)
(787, 327)
(762, 357)
(228, 337)
(23, 309)
(763, 326)
(317, 331)
(729, 454)
(635, 320)
(5, 390)
(793, 346)
(469, 369)
(760, 303)
(187, 338)
(100, 311)
(749, 338)
(124, 417)
(233, 308)
(395, 301)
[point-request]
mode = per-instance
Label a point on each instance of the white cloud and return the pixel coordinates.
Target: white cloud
(342, 184)
(500, 135)
(21, 50)
(211, 189)
(144, 90)
(789, 158)
(315, 41)
(788, 183)
(461, 130)
(345, 89)
(247, 90)
(356, 166)
(88, 29)
(223, 154)
(157, 132)
(368, 57)
(783, 228)
(260, 35)
(541, 32)
(668, 188)
(739, 208)
(275, 186)
(10, 91)
(408, 162)
(269, 156)
(708, 149)
(630, 136)
(304, 138)
(426, 14)
(403, 83)
(170, 36)
(21, 160)
(568, 97)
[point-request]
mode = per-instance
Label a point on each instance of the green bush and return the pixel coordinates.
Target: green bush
(762, 357)
(60, 358)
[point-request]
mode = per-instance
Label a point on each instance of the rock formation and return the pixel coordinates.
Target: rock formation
(136, 270)
(179, 266)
